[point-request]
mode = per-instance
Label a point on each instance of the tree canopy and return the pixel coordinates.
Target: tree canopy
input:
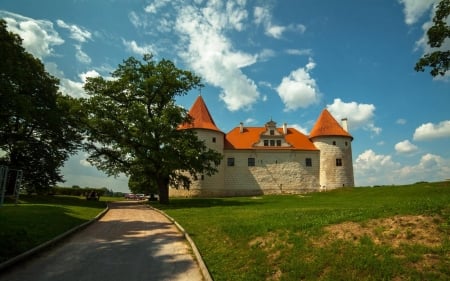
(439, 59)
(38, 125)
(132, 126)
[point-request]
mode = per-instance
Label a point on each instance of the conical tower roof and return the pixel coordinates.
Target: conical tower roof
(201, 118)
(326, 125)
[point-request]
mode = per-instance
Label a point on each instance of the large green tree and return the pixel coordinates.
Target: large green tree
(38, 125)
(132, 126)
(439, 59)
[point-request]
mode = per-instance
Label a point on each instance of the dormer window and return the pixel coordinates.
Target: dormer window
(272, 132)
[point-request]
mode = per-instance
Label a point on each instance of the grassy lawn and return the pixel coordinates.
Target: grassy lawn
(382, 233)
(37, 219)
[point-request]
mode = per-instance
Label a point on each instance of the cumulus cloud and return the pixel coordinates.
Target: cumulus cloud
(77, 33)
(430, 131)
(39, 36)
(211, 54)
(133, 47)
(299, 89)
(370, 168)
(405, 147)
(377, 169)
(358, 115)
(262, 16)
(431, 167)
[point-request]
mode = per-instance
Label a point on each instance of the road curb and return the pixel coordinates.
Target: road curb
(44, 246)
(204, 270)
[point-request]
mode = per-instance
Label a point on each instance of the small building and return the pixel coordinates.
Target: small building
(272, 159)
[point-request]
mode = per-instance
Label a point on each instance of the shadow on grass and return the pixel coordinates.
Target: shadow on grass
(178, 203)
(117, 249)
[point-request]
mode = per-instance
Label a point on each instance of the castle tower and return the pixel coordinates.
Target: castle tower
(203, 124)
(334, 143)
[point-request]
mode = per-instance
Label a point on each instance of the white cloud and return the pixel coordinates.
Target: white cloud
(373, 169)
(81, 56)
(358, 115)
(405, 147)
(39, 36)
(299, 89)
(77, 33)
(299, 52)
(133, 47)
(208, 52)
(89, 74)
(370, 168)
(155, 6)
(266, 54)
(414, 9)
(430, 168)
(262, 16)
(300, 128)
(400, 121)
(430, 131)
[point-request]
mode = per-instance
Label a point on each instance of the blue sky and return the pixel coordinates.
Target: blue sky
(285, 60)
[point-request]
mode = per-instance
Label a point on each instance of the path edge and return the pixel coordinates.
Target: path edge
(44, 246)
(203, 268)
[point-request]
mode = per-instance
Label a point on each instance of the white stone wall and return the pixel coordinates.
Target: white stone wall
(275, 171)
(205, 185)
(332, 148)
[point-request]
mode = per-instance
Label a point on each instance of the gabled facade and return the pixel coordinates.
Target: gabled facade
(272, 159)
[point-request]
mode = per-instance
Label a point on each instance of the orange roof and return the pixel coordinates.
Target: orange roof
(326, 125)
(201, 118)
(251, 135)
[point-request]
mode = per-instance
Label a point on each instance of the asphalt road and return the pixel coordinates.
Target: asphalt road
(129, 243)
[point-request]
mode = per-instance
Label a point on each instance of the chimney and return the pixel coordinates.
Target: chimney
(241, 127)
(285, 128)
(344, 124)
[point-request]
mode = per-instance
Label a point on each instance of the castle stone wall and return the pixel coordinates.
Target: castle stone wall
(331, 175)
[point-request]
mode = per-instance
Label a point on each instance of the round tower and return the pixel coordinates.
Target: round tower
(335, 145)
(207, 131)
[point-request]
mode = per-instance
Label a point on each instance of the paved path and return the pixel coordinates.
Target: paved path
(129, 243)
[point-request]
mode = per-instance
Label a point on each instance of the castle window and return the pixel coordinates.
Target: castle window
(202, 177)
(334, 142)
(230, 161)
(214, 139)
(251, 162)
(278, 142)
(338, 162)
(272, 142)
(266, 142)
(346, 143)
(272, 132)
(308, 162)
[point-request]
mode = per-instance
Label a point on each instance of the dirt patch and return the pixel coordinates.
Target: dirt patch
(271, 244)
(393, 231)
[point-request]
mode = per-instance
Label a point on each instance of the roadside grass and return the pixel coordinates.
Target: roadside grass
(37, 219)
(381, 233)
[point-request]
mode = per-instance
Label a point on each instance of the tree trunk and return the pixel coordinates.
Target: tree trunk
(163, 186)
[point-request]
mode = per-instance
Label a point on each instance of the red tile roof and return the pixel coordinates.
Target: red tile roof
(251, 135)
(326, 125)
(201, 118)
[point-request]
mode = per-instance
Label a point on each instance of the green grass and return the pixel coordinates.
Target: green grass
(284, 237)
(37, 219)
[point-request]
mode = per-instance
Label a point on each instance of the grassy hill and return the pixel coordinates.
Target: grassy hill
(381, 233)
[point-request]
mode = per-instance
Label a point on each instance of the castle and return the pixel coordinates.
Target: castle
(271, 159)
